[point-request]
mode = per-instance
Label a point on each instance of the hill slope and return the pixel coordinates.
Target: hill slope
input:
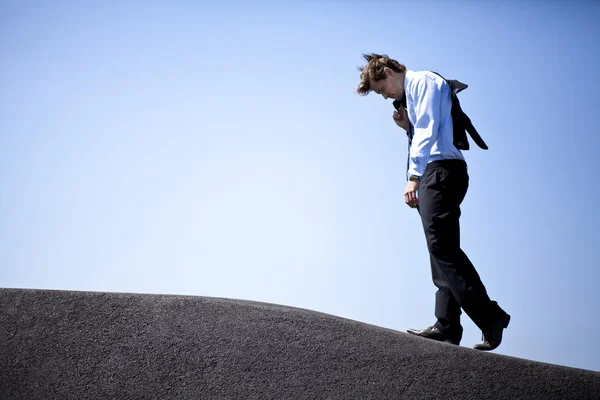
(91, 345)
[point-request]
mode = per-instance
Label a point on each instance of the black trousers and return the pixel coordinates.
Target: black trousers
(442, 189)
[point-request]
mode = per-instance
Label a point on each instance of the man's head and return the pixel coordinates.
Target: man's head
(381, 75)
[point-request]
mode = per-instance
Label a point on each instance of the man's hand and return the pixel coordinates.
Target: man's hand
(401, 118)
(410, 194)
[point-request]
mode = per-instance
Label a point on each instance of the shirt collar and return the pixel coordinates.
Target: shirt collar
(408, 76)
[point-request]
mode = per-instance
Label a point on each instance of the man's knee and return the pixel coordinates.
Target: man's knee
(443, 246)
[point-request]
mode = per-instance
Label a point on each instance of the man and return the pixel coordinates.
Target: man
(437, 184)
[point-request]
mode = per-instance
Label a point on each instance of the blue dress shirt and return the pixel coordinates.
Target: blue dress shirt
(429, 106)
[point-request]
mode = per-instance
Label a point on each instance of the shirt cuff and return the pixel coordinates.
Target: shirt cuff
(416, 167)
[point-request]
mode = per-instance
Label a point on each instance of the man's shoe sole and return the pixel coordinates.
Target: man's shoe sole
(449, 341)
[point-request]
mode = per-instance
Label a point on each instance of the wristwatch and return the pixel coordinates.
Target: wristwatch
(414, 178)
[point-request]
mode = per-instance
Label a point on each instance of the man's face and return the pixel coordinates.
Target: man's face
(387, 87)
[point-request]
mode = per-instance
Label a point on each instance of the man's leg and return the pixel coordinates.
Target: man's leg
(442, 190)
(447, 309)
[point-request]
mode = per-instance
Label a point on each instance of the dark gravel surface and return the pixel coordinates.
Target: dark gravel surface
(90, 345)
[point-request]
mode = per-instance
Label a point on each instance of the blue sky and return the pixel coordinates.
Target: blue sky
(219, 149)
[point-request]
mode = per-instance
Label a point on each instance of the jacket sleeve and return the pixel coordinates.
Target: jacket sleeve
(427, 99)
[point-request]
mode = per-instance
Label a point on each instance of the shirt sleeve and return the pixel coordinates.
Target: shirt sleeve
(427, 102)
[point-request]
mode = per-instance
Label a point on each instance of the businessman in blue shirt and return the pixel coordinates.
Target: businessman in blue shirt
(437, 184)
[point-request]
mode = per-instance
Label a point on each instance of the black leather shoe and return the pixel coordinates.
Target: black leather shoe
(493, 337)
(435, 334)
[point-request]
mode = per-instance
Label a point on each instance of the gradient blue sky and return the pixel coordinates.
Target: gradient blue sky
(219, 149)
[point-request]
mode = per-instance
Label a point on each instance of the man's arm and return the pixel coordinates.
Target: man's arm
(427, 103)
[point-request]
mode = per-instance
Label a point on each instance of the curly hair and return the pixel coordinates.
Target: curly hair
(374, 70)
